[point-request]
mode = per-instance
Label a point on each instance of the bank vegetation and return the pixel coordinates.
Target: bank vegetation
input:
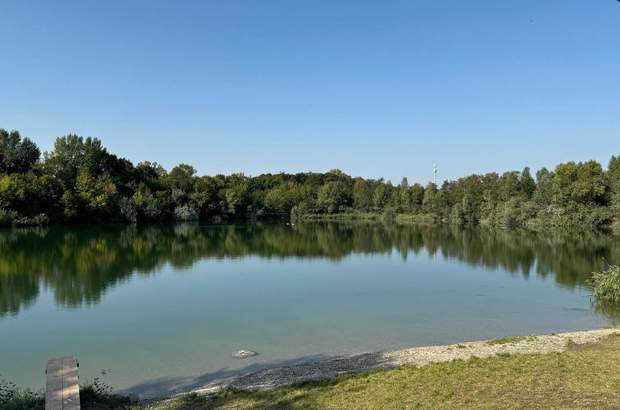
(80, 181)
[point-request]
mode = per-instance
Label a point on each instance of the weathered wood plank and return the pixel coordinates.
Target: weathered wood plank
(53, 386)
(62, 390)
(70, 384)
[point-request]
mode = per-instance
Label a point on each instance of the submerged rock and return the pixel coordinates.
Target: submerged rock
(244, 354)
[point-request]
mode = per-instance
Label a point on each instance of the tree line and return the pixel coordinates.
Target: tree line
(80, 181)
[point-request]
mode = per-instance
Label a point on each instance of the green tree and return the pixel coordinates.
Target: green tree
(16, 155)
(284, 197)
(334, 197)
(382, 195)
(417, 197)
(236, 194)
(582, 183)
(527, 183)
(509, 185)
(543, 194)
(430, 203)
(589, 188)
(97, 195)
(404, 196)
(362, 194)
(73, 153)
(613, 178)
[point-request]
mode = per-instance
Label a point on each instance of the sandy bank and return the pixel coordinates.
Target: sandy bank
(418, 356)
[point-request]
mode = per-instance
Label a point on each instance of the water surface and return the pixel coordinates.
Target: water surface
(159, 308)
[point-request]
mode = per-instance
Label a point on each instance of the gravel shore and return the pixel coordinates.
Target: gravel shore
(417, 356)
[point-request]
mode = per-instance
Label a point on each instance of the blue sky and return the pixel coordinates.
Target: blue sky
(375, 88)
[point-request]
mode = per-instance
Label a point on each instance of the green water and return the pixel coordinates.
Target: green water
(158, 309)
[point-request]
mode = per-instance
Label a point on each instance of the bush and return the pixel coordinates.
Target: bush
(606, 285)
(300, 210)
(128, 209)
(37, 220)
(13, 398)
(12, 218)
(185, 213)
(96, 395)
(7, 217)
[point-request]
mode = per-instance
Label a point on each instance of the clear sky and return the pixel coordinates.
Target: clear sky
(375, 88)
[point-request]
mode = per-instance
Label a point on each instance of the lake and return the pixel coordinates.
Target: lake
(156, 309)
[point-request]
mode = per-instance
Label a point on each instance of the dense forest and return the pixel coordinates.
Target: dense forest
(80, 181)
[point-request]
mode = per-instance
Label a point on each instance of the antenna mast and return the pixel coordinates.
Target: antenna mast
(435, 174)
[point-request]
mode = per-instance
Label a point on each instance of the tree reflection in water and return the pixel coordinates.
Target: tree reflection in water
(79, 263)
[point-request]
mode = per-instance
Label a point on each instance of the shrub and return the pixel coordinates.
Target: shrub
(7, 217)
(606, 285)
(37, 220)
(300, 210)
(96, 395)
(185, 213)
(128, 209)
(13, 398)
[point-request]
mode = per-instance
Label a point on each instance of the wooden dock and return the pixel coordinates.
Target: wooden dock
(62, 389)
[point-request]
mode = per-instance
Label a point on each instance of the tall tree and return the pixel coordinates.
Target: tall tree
(16, 154)
(527, 183)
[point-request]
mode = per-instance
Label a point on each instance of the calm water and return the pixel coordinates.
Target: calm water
(158, 308)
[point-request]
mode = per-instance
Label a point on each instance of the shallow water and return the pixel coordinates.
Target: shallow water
(160, 308)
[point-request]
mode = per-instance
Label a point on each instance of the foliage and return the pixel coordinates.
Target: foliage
(13, 398)
(333, 197)
(8, 217)
(97, 395)
(80, 181)
(16, 155)
(606, 286)
(185, 213)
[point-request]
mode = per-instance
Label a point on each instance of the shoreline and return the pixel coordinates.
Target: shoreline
(276, 377)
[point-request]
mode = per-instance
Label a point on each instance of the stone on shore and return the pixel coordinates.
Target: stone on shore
(244, 354)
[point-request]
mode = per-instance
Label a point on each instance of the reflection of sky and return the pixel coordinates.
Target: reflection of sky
(180, 323)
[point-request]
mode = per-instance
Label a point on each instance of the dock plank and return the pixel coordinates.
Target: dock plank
(62, 389)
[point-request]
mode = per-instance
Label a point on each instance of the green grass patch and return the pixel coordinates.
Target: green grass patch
(575, 379)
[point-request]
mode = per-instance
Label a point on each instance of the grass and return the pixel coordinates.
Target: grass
(583, 377)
